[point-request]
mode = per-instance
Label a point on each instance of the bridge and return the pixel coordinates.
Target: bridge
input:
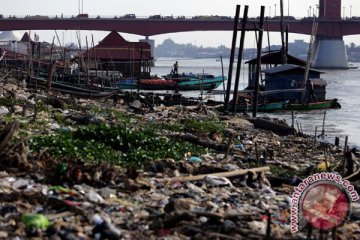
(330, 47)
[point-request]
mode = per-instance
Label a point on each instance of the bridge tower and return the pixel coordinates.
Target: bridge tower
(330, 51)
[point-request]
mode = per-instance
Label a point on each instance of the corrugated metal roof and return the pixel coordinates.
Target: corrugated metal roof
(275, 58)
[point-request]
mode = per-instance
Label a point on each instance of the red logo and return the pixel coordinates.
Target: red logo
(325, 205)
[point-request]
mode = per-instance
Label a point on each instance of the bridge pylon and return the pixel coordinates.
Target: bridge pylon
(330, 53)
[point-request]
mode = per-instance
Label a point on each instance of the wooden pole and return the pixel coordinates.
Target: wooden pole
(283, 51)
(258, 66)
(346, 144)
(50, 75)
(141, 56)
(268, 35)
(233, 44)
(222, 74)
(286, 42)
(220, 174)
(241, 49)
(268, 226)
(50, 68)
(323, 126)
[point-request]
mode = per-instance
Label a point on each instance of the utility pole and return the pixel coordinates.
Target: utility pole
(288, 8)
(269, 11)
(275, 10)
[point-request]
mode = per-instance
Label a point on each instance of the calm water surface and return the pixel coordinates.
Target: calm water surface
(342, 84)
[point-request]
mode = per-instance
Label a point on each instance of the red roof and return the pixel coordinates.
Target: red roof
(26, 38)
(115, 47)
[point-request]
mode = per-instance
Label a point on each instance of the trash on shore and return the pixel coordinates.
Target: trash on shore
(95, 169)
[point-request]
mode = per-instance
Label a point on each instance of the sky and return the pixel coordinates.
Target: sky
(188, 8)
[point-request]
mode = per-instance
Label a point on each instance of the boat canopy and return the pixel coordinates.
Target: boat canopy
(288, 68)
(275, 59)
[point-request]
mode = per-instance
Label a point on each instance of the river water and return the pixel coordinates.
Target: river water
(341, 84)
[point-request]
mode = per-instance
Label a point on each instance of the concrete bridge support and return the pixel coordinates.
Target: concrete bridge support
(330, 54)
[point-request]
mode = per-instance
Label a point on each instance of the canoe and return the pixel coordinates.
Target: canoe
(327, 104)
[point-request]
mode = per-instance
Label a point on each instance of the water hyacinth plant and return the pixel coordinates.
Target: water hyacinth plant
(120, 145)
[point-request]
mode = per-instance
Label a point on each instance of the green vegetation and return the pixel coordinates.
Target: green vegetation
(203, 125)
(9, 102)
(113, 144)
(191, 125)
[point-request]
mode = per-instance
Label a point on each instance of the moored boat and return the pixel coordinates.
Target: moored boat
(174, 82)
(327, 104)
(262, 107)
(285, 82)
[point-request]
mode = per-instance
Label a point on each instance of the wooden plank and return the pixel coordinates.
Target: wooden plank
(220, 174)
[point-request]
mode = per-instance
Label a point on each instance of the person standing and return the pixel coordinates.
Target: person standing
(176, 66)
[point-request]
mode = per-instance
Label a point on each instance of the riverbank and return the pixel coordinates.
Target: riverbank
(120, 169)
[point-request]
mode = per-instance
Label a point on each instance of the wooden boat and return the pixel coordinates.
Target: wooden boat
(127, 84)
(191, 81)
(36, 82)
(333, 103)
(286, 82)
(174, 82)
(262, 107)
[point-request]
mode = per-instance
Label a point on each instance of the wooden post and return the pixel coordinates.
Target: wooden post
(256, 152)
(241, 49)
(232, 53)
(258, 65)
(222, 75)
(298, 126)
(337, 141)
(286, 41)
(315, 136)
(268, 226)
(346, 143)
(141, 56)
(50, 76)
(283, 51)
(323, 127)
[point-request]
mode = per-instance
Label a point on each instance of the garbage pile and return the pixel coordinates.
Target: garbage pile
(233, 182)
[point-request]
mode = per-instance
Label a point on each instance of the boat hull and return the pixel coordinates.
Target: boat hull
(327, 104)
(188, 85)
(265, 107)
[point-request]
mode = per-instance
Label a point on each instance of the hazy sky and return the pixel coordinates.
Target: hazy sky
(297, 8)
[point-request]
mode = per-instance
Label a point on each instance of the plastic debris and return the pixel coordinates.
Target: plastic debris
(217, 181)
(195, 159)
(104, 229)
(36, 221)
